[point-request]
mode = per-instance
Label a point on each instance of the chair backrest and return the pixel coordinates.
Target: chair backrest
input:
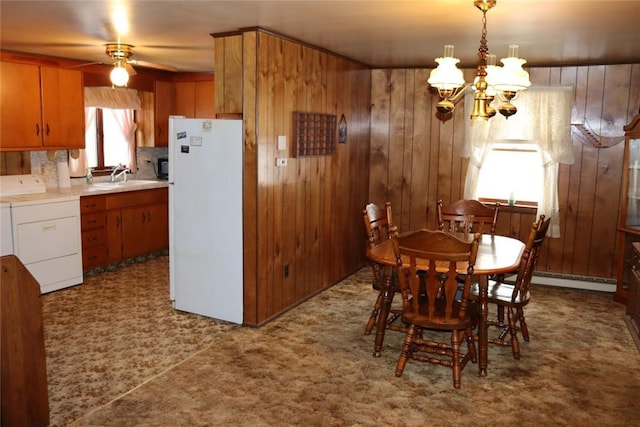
(377, 222)
(530, 256)
(467, 216)
(439, 257)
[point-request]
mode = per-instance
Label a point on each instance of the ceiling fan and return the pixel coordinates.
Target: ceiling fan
(121, 54)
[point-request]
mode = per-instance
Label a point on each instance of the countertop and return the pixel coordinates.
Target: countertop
(110, 187)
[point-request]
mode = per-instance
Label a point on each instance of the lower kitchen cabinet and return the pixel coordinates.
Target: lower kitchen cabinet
(144, 230)
(114, 236)
(135, 223)
(94, 233)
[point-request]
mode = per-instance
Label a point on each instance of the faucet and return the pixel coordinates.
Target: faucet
(115, 174)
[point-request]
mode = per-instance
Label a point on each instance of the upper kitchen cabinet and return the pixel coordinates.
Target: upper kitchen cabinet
(164, 105)
(41, 107)
(195, 98)
(153, 118)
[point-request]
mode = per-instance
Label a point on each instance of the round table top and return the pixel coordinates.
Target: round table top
(496, 254)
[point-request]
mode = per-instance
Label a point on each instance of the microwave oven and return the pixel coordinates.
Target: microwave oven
(163, 168)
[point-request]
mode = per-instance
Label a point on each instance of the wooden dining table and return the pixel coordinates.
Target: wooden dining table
(496, 255)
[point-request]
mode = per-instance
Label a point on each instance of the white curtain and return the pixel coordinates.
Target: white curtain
(111, 98)
(544, 117)
(126, 126)
(78, 163)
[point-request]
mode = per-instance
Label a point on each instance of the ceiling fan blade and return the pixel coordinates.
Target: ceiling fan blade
(130, 69)
(85, 64)
(152, 65)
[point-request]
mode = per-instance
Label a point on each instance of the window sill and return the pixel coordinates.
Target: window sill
(517, 208)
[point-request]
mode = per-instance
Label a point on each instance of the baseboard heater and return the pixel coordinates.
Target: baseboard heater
(572, 281)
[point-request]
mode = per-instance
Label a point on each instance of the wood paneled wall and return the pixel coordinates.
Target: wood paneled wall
(303, 218)
(415, 160)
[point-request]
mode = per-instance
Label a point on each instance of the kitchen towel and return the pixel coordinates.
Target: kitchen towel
(64, 179)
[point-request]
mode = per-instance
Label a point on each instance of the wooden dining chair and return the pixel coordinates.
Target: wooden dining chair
(430, 301)
(467, 216)
(512, 298)
(377, 223)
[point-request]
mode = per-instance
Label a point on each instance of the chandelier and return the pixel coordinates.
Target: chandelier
(491, 81)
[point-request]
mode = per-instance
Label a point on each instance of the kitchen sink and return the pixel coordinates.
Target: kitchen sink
(121, 184)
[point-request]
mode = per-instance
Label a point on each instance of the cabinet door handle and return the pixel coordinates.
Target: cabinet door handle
(47, 129)
(37, 129)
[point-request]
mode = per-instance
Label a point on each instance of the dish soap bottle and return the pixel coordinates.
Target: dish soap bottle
(89, 176)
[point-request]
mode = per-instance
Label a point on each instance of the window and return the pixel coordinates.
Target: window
(106, 141)
(512, 172)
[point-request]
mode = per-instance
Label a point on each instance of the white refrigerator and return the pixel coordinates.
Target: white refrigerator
(205, 217)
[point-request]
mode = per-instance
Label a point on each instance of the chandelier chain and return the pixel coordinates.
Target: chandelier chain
(484, 48)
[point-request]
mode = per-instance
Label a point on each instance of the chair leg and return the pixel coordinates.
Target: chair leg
(457, 369)
(373, 319)
(523, 324)
(472, 345)
(406, 347)
(501, 315)
(513, 330)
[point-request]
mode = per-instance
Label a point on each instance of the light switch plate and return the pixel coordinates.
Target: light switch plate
(282, 142)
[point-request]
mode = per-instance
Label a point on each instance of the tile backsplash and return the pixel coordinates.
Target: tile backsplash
(147, 161)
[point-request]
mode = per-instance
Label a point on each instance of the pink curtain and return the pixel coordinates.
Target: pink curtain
(78, 164)
(113, 99)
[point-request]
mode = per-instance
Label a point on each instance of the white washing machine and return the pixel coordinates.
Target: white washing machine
(45, 228)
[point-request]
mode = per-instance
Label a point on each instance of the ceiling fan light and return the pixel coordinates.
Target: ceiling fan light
(119, 75)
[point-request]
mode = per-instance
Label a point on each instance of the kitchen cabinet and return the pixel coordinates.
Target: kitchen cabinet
(629, 221)
(137, 223)
(195, 99)
(120, 226)
(633, 301)
(163, 108)
(42, 107)
(94, 233)
(153, 117)
(144, 229)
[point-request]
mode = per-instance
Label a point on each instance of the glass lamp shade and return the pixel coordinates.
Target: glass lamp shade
(446, 76)
(512, 77)
(119, 76)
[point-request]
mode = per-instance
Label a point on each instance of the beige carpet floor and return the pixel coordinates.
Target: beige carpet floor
(119, 355)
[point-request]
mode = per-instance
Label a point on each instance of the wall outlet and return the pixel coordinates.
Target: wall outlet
(280, 162)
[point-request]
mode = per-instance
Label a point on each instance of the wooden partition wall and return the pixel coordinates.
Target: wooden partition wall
(415, 160)
(302, 222)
